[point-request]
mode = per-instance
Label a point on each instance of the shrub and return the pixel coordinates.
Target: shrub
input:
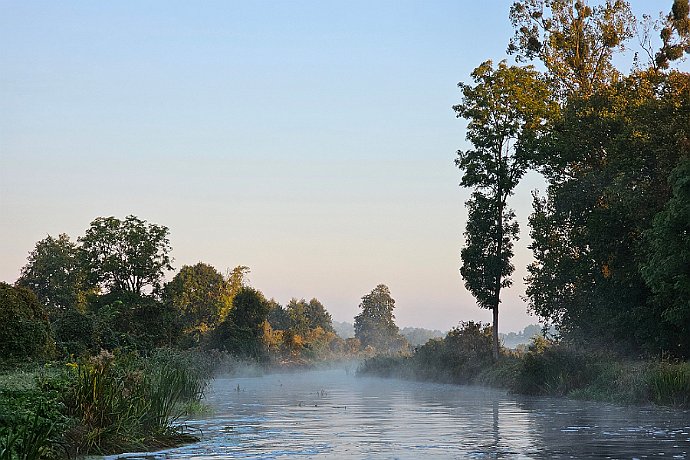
(459, 357)
(24, 327)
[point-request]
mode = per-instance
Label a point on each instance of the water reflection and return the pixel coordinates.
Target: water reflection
(329, 414)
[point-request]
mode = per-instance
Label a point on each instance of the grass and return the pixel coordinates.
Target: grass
(105, 404)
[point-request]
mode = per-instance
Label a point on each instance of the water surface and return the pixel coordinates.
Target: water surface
(330, 414)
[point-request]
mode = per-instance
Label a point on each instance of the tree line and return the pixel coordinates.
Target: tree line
(611, 233)
(107, 291)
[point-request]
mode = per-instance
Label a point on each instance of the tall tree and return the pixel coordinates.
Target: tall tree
(508, 109)
(611, 154)
(55, 273)
(126, 255)
(375, 325)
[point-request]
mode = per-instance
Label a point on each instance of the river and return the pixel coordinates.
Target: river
(332, 414)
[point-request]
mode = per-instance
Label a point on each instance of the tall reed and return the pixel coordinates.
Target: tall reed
(127, 402)
(669, 383)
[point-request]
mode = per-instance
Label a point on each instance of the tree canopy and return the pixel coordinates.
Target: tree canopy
(508, 111)
(126, 255)
(375, 325)
(54, 272)
(196, 293)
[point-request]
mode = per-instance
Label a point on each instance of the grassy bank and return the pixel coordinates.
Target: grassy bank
(545, 368)
(105, 404)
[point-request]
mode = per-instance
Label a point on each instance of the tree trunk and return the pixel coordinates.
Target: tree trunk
(495, 331)
(498, 266)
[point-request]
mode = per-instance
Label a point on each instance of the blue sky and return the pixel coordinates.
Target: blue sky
(312, 141)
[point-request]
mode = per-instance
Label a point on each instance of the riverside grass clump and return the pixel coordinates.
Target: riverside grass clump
(128, 402)
(106, 404)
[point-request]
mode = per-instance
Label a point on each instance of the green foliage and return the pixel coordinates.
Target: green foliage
(31, 418)
(75, 333)
(459, 357)
(196, 294)
(304, 316)
(483, 258)
(417, 336)
(130, 320)
(554, 369)
(375, 326)
(126, 255)
(608, 160)
(235, 279)
(25, 332)
(508, 110)
(575, 42)
(670, 383)
(278, 316)
(666, 270)
(55, 274)
(124, 402)
(242, 331)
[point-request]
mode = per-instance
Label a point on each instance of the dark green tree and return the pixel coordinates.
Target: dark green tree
(55, 274)
(135, 321)
(278, 316)
(242, 331)
(667, 268)
(127, 255)
(297, 313)
(318, 316)
(25, 332)
(508, 110)
(196, 294)
(608, 160)
(375, 324)
(305, 316)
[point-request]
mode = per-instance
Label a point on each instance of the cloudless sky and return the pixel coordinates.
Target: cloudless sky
(312, 141)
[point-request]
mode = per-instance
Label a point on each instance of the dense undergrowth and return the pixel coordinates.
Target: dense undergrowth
(546, 367)
(104, 404)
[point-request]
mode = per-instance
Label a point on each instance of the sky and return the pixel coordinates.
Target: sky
(312, 141)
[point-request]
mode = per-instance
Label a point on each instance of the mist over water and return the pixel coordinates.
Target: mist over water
(333, 414)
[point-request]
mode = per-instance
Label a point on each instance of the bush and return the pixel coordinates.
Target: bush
(555, 369)
(459, 357)
(75, 333)
(24, 327)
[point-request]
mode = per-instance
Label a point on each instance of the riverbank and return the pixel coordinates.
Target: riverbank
(105, 404)
(545, 369)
